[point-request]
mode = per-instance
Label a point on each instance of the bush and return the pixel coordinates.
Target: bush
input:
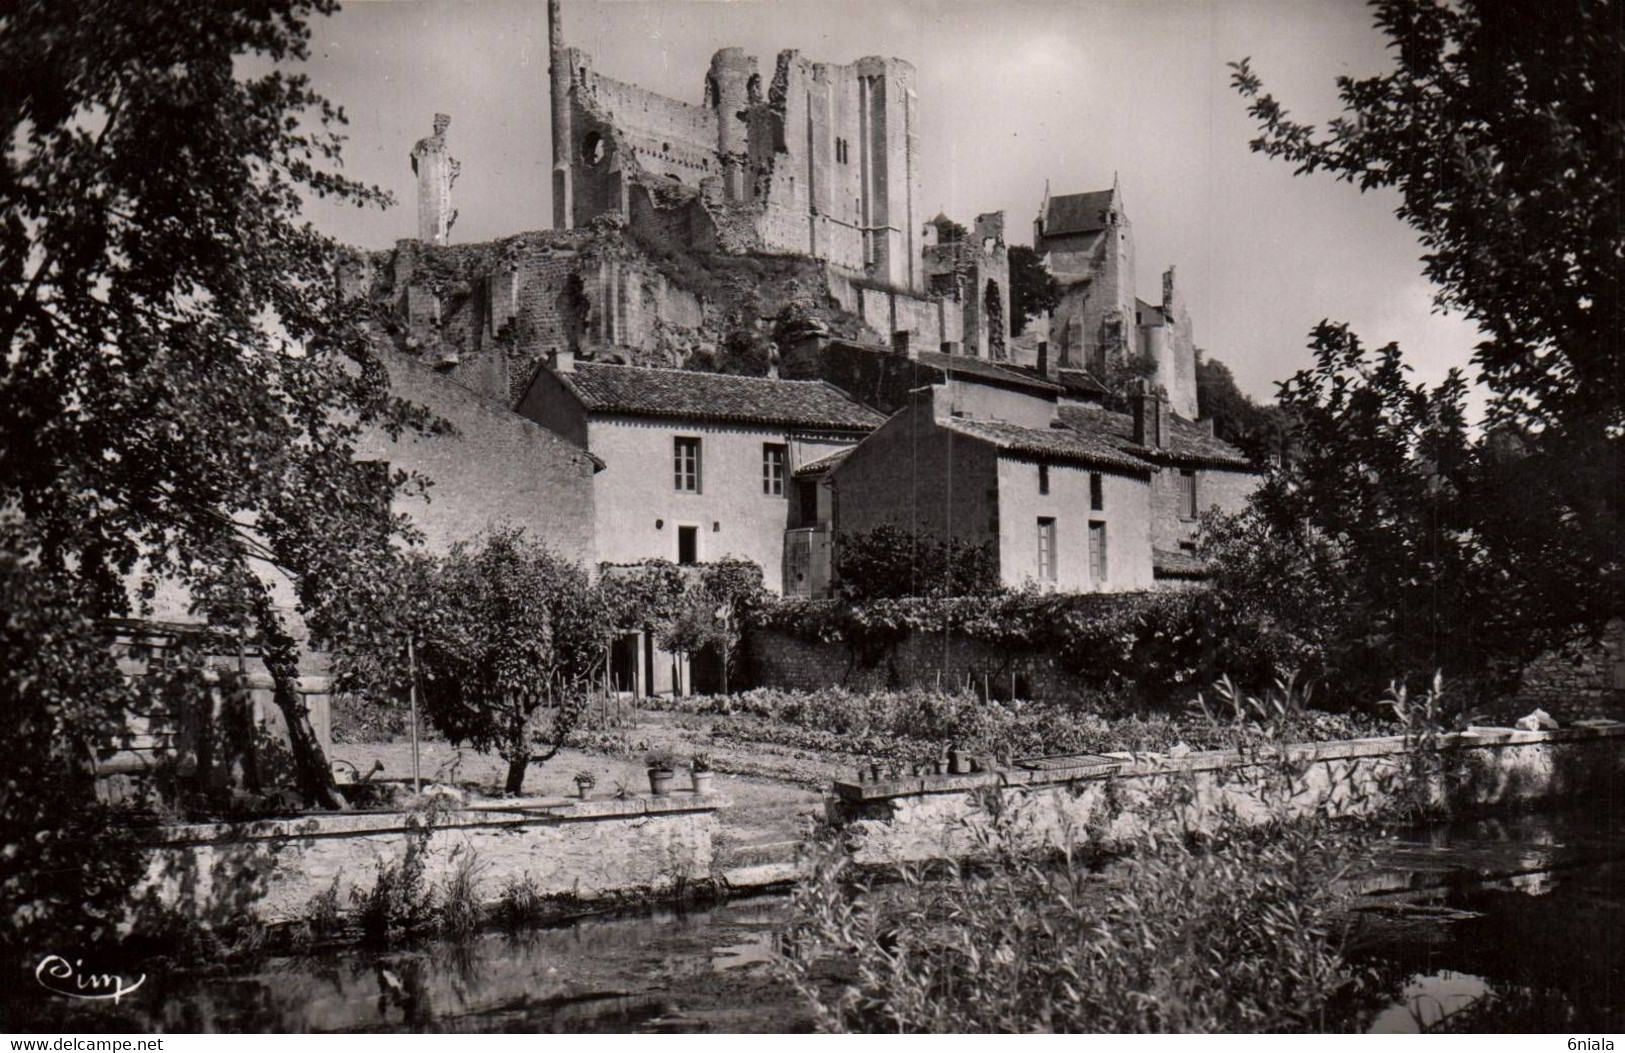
(1227, 934)
(889, 562)
(919, 724)
(1163, 645)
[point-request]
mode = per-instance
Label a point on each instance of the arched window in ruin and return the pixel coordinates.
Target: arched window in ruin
(593, 148)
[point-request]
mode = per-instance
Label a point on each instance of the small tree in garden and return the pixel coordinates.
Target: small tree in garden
(890, 562)
(516, 628)
(735, 587)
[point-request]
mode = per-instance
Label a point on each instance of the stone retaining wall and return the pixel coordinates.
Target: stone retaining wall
(1110, 798)
(586, 850)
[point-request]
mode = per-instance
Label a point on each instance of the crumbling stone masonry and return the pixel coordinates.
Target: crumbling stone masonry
(823, 163)
(436, 172)
(1100, 324)
(971, 270)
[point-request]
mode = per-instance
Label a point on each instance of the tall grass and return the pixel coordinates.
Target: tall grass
(1233, 933)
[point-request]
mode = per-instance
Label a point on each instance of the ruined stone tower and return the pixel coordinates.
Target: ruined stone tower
(822, 162)
(436, 172)
(1100, 324)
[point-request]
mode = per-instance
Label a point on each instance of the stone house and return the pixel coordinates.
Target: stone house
(1071, 496)
(697, 467)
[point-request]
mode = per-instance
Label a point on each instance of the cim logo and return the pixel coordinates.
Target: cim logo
(60, 976)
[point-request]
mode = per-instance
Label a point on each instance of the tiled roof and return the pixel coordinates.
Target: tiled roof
(1077, 213)
(1188, 444)
(982, 368)
(824, 463)
(1080, 381)
(1166, 563)
(605, 388)
(1062, 444)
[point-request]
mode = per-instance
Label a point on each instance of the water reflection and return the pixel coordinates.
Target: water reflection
(1536, 949)
(668, 971)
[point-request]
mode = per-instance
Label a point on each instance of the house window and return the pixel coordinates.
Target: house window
(773, 469)
(1046, 550)
(1187, 493)
(688, 545)
(1097, 551)
(1043, 478)
(686, 458)
(1097, 493)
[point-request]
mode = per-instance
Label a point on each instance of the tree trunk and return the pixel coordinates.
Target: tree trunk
(516, 774)
(281, 656)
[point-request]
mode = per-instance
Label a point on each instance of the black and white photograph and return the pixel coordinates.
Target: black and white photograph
(730, 517)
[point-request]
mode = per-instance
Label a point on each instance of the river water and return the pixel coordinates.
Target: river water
(1543, 935)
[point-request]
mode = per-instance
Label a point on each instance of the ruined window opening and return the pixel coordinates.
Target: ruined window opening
(773, 457)
(1097, 493)
(688, 545)
(753, 89)
(995, 320)
(1043, 478)
(665, 148)
(686, 464)
(593, 148)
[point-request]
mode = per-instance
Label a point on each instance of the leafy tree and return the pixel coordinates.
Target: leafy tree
(515, 628)
(1502, 127)
(184, 383)
(1236, 417)
(1033, 289)
(1361, 554)
(63, 696)
(889, 562)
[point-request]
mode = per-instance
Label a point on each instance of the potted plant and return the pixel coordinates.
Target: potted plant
(700, 771)
(585, 781)
(958, 761)
(661, 772)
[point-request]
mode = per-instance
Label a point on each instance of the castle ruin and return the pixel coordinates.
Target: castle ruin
(822, 163)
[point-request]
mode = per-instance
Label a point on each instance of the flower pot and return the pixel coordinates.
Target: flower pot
(959, 762)
(660, 781)
(941, 766)
(583, 789)
(702, 781)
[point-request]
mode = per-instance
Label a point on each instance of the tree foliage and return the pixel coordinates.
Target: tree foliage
(63, 699)
(1502, 129)
(1392, 543)
(1502, 126)
(889, 562)
(514, 628)
(1033, 289)
(1236, 418)
(185, 386)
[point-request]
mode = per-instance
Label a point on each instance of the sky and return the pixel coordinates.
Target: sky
(1012, 94)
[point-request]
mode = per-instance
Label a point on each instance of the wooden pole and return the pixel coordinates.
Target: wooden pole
(412, 693)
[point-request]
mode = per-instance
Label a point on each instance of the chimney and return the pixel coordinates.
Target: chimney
(1043, 359)
(772, 365)
(1150, 418)
(901, 344)
(561, 361)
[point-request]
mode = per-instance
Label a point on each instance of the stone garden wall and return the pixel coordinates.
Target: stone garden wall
(581, 850)
(1109, 798)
